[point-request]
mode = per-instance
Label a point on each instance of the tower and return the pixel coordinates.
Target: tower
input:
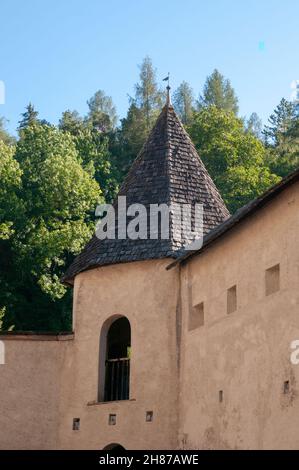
(123, 379)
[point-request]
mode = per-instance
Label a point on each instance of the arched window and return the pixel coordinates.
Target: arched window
(114, 373)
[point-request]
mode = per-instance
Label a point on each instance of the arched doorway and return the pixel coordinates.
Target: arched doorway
(114, 447)
(114, 373)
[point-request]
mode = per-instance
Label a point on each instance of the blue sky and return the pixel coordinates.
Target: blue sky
(56, 54)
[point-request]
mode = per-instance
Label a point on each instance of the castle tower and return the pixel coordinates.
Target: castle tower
(123, 376)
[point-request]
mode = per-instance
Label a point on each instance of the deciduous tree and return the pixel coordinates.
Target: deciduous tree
(59, 199)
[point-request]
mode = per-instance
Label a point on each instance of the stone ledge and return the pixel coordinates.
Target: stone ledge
(98, 403)
(35, 336)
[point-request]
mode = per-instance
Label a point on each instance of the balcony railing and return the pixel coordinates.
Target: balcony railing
(117, 379)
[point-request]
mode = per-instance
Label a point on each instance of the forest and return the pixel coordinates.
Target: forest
(53, 176)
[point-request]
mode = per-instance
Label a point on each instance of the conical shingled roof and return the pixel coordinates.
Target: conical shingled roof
(168, 170)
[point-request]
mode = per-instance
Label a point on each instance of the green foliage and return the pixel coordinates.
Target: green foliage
(183, 101)
(279, 123)
(282, 139)
(148, 97)
(219, 92)
(143, 111)
(10, 182)
(59, 198)
(102, 112)
(254, 125)
(71, 122)
(234, 158)
(4, 135)
(28, 117)
(93, 149)
(2, 315)
(94, 142)
(129, 140)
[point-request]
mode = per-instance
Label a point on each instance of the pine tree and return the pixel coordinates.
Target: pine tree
(219, 92)
(183, 100)
(254, 125)
(102, 112)
(282, 139)
(28, 118)
(142, 113)
(129, 140)
(148, 97)
(280, 122)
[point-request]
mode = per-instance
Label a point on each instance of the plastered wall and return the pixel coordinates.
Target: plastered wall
(243, 355)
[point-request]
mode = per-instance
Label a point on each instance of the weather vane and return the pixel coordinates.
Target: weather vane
(166, 79)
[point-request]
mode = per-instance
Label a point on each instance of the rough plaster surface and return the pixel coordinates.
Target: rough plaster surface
(146, 294)
(246, 353)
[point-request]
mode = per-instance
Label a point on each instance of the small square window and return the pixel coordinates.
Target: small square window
(196, 316)
(76, 424)
(272, 280)
(112, 420)
(286, 386)
(232, 299)
(149, 416)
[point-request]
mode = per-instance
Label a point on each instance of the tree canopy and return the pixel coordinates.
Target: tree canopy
(58, 198)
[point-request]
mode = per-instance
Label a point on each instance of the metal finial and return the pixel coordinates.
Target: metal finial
(168, 97)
